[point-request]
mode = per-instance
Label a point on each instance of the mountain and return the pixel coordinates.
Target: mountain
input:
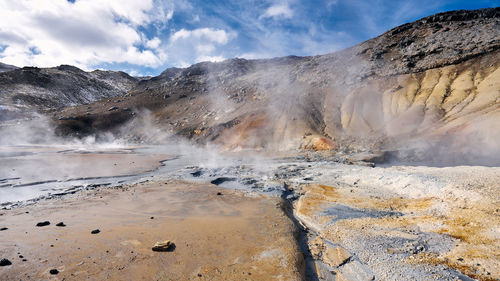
(6, 67)
(431, 85)
(31, 89)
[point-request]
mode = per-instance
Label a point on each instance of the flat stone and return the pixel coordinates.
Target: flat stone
(95, 231)
(162, 246)
(336, 256)
(354, 271)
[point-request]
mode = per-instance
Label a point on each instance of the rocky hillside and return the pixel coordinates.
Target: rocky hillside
(435, 80)
(30, 89)
(6, 67)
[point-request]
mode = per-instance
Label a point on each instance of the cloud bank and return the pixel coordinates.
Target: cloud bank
(144, 37)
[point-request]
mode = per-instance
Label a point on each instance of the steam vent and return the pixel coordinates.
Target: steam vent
(214, 156)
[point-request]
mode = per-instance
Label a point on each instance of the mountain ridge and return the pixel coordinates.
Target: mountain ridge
(433, 80)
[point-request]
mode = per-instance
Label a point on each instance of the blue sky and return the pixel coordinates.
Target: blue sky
(144, 37)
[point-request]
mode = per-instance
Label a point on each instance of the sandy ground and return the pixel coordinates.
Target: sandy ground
(42, 163)
(217, 237)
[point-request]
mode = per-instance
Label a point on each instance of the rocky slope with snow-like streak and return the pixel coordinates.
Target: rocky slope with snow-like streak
(433, 81)
(6, 67)
(31, 89)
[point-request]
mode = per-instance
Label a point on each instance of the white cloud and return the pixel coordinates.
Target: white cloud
(201, 44)
(153, 43)
(83, 33)
(213, 35)
(281, 10)
(210, 58)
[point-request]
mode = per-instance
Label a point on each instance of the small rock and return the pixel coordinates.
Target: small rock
(113, 108)
(61, 224)
(95, 231)
(3, 228)
(54, 271)
(335, 256)
(163, 246)
(43, 223)
(152, 218)
(219, 193)
(197, 173)
(5, 262)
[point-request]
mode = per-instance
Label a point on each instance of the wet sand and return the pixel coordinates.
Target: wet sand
(217, 237)
(38, 163)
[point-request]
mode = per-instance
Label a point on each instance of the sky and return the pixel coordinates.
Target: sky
(144, 37)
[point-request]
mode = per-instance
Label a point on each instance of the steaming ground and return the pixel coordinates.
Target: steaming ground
(360, 222)
(379, 162)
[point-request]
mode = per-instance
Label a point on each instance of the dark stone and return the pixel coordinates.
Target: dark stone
(21, 257)
(152, 218)
(95, 231)
(219, 193)
(54, 271)
(221, 180)
(43, 223)
(61, 224)
(3, 228)
(5, 262)
(197, 173)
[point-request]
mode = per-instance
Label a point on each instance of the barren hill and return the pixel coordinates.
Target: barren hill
(31, 89)
(433, 81)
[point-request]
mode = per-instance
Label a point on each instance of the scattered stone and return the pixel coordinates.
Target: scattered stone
(25, 260)
(21, 257)
(113, 108)
(219, 193)
(3, 228)
(43, 223)
(336, 256)
(163, 246)
(5, 262)
(197, 173)
(61, 224)
(152, 218)
(54, 271)
(95, 231)
(221, 180)
(354, 271)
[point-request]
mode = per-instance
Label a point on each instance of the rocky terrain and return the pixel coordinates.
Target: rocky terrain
(421, 81)
(383, 156)
(6, 67)
(26, 90)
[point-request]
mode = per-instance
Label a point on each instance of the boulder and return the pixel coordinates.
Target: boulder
(163, 246)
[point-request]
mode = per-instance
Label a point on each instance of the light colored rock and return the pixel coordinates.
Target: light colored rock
(335, 256)
(162, 246)
(354, 271)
